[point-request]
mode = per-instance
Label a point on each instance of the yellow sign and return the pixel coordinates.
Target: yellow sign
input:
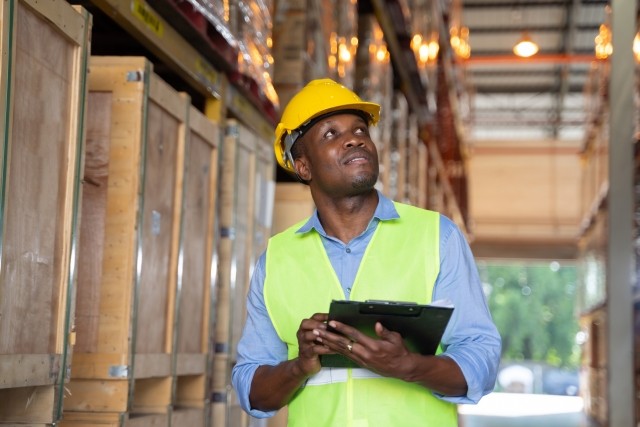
(148, 16)
(208, 75)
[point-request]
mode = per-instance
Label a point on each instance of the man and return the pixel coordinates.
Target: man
(358, 245)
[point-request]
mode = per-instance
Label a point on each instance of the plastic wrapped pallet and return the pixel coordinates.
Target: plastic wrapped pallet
(44, 50)
(136, 131)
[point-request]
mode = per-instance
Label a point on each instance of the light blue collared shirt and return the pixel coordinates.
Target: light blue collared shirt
(471, 338)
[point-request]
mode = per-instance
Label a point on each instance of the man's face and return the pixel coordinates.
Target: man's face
(339, 156)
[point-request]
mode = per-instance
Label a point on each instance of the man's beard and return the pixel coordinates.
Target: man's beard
(365, 181)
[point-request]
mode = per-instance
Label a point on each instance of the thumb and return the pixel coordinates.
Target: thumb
(381, 331)
(387, 334)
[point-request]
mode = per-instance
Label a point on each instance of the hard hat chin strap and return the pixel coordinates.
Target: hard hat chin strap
(289, 140)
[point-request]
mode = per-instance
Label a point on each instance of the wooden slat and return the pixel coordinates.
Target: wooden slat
(92, 227)
(96, 396)
(22, 370)
(28, 405)
(188, 417)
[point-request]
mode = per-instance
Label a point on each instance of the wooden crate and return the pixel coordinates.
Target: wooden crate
(293, 203)
(44, 50)
(237, 203)
(194, 297)
(265, 197)
(122, 366)
(260, 222)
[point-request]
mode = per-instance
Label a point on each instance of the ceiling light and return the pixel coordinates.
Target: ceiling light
(525, 48)
(636, 47)
(603, 45)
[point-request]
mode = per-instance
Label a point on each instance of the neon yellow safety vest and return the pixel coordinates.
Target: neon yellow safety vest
(401, 263)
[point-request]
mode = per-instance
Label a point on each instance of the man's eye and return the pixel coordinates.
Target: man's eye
(329, 133)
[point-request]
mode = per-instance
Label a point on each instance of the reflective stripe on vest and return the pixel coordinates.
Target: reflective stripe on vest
(401, 262)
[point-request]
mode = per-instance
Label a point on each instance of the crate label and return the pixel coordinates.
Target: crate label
(147, 16)
(156, 219)
(119, 371)
(208, 75)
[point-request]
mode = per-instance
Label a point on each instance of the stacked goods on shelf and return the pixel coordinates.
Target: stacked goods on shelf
(300, 48)
(45, 46)
(416, 164)
(136, 129)
(205, 24)
(591, 305)
(194, 297)
(251, 25)
(343, 41)
(374, 82)
(395, 157)
(593, 366)
(423, 175)
(245, 189)
(595, 151)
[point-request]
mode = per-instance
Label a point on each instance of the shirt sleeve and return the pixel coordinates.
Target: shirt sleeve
(259, 344)
(471, 338)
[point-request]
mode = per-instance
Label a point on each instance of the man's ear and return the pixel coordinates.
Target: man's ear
(302, 168)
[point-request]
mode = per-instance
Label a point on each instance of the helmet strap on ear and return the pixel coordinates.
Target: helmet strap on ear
(289, 140)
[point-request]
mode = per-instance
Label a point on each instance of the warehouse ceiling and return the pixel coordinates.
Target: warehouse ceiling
(537, 98)
(524, 122)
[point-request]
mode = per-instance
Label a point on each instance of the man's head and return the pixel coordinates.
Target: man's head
(318, 100)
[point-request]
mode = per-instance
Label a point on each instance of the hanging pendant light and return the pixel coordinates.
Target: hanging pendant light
(525, 48)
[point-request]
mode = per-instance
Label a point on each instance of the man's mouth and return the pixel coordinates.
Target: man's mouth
(357, 158)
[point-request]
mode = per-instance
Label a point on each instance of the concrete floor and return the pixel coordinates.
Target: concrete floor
(525, 410)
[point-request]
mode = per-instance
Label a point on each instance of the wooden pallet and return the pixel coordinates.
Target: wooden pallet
(45, 46)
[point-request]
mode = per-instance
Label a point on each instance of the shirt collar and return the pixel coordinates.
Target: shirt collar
(385, 211)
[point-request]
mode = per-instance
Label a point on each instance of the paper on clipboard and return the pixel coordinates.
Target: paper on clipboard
(421, 326)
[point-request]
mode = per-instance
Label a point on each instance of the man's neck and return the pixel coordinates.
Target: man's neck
(347, 217)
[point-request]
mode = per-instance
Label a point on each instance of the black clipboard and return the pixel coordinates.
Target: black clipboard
(421, 326)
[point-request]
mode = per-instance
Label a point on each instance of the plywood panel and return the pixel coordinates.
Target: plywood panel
(43, 55)
(92, 229)
(198, 235)
(163, 133)
(126, 297)
(526, 191)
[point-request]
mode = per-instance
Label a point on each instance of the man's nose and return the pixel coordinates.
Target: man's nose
(354, 141)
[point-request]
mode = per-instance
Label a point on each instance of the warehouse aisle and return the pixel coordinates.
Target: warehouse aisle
(525, 410)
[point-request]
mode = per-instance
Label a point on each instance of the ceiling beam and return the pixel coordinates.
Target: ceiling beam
(559, 58)
(530, 28)
(395, 28)
(529, 4)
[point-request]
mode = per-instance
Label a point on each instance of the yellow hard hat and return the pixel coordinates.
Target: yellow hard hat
(317, 98)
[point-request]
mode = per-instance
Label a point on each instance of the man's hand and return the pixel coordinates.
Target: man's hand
(309, 347)
(274, 386)
(388, 356)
